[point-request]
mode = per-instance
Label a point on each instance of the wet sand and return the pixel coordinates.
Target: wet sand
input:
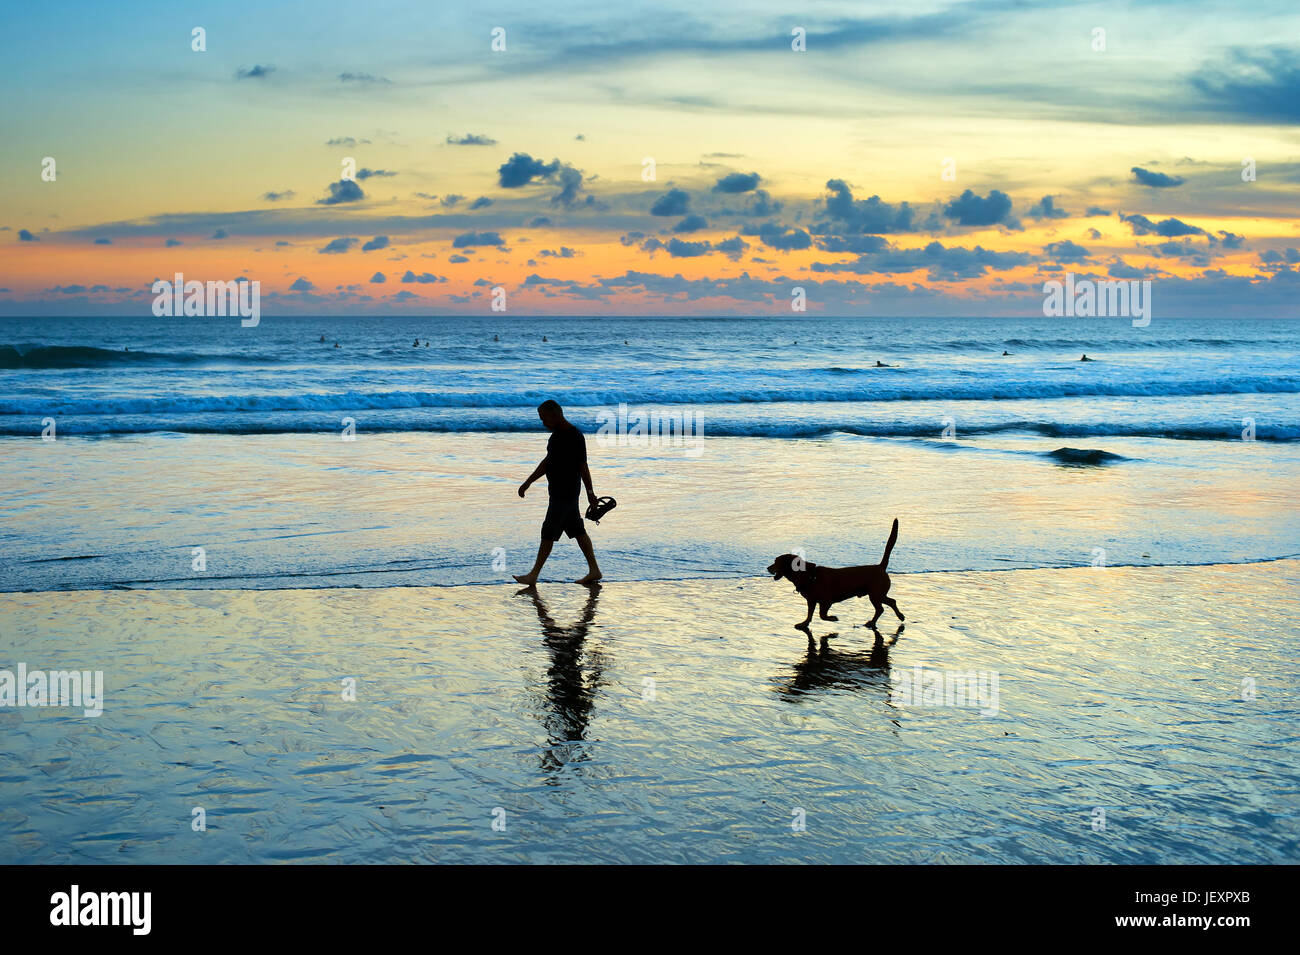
(665, 721)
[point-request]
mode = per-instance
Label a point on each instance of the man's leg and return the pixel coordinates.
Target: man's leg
(589, 552)
(543, 552)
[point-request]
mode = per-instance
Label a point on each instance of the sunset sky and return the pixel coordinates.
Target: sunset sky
(772, 168)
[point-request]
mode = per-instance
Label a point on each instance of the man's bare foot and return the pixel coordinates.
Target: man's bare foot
(526, 579)
(591, 578)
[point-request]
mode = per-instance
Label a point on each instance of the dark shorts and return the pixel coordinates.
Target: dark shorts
(562, 517)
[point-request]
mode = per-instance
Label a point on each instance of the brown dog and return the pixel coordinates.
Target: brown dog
(823, 586)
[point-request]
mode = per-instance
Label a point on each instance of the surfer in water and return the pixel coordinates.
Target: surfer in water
(1086, 358)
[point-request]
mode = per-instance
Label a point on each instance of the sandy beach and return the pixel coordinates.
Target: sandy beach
(1142, 715)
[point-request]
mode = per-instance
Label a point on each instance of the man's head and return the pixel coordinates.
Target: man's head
(551, 413)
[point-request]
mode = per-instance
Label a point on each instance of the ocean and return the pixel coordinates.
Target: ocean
(393, 458)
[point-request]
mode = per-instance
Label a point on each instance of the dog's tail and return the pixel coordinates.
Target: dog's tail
(889, 546)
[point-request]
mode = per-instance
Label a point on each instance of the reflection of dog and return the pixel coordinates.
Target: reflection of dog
(823, 586)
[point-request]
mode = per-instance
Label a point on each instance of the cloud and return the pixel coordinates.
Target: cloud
(301, 285)
(692, 223)
(378, 242)
(538, 222)
(733, 248)
(378, 278)
(473, 239)
(345, 141)
(424, 278)
(943, 264)
(1156, 180)
(278, 196)
(482, 202)
(737, 182)
(345, 190)
(1046, 208)
(1259, 85)
(337, 246)
(25, 236)
(857, 244)
(969, 209)
(103, 241)
(680, 249)
(564, 252)
(368, 173)
(220, 234)
(1169, 228)
(470, 139)
(1067, 251)
(450, 200)
(365, 78)
(779, 237)
(865, 215)
(674, 202)
(172, 243)
(258, 72)
(457, 259)
(521, 169)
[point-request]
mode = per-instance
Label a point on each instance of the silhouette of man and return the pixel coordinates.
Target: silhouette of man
(565, 463)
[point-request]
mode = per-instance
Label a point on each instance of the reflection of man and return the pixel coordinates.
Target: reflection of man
(564, 464)
(572, 680)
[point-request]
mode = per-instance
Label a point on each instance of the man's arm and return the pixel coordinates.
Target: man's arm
(537, 472)
(586, 479)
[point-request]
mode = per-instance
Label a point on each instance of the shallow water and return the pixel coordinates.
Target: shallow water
(1119, 689)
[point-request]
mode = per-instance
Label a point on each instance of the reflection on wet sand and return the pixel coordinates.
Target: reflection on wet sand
(826, 668)
(572, 680)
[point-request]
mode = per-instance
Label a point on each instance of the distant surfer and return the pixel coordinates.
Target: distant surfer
(415, 344)
(1006, 354)
(881, 364)
(1086, 358)
(545, 339)
(496, 338)
(322, 339)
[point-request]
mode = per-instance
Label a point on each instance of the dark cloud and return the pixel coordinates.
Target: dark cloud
(278, 196)
(365, 78)
(1156, 180)
(345, 141)
(482, 202)
(25, 236)
(680, 249)
(674, 202)
(378, 242)
(1066, 251)
(1254, 85)
(258, 72)
(857, 244)
(780, 237)
(378, 278)
(457, 259)
(470, 139)
(737, 182)
(172, 243)
(337, 246)
(301, 285)
(943, 264)
(368, 173)
(1169, 228)
(220, 234)
(345, 190)
(969, 209)
(522, 169)
(102, 241)
(424, 278)
(692, 223)
(1046, 208)
(563, 252)
(538, 222)
(871, 215)
(470, 240)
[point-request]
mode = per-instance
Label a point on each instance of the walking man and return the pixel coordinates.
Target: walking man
(565, 463)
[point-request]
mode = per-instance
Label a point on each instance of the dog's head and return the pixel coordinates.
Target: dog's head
(787, 565)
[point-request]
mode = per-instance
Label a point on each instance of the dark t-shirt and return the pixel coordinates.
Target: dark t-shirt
(566, 453)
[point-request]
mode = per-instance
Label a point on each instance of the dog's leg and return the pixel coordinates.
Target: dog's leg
(807, 619)
(880, 608)
(823, 615)
(892, 606)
